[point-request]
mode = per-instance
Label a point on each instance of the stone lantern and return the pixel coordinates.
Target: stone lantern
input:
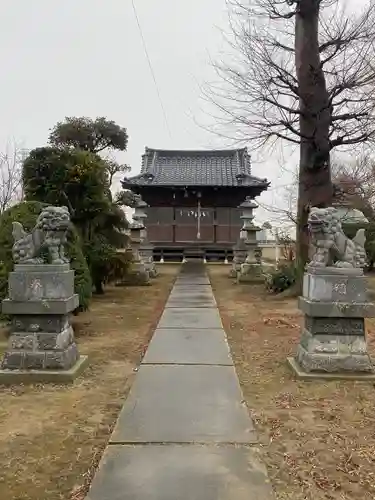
(239, 254)
(145, 249)
(139, 218)
(251, 269)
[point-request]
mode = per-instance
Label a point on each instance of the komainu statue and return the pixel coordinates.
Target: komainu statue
(46, 239)
(329, 245)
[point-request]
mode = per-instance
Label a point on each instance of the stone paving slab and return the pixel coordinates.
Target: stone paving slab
(175, 472)
(191, 294)
(182, 404)
(185, 317)
(192, 281)
(190, 303)
(192, 290)
(186, 346)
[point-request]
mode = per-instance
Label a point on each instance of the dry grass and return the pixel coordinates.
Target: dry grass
(318, 437)
(51, 437)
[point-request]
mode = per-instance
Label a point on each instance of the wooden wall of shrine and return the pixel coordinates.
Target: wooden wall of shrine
(172, 222)
(179, 225)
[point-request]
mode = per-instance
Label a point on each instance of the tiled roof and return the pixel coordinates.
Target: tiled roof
(195, 168)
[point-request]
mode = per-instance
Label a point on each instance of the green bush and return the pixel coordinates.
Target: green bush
(282, 278)
(351, 230)
(26, 213)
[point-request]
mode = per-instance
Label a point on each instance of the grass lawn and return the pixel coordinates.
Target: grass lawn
(317, 437)
(52, 437)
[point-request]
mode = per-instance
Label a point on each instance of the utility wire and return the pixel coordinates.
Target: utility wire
(151, 68)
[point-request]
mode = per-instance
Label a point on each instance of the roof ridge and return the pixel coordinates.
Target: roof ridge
(201, 151)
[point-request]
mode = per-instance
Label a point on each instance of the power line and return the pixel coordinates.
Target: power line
(151, 68)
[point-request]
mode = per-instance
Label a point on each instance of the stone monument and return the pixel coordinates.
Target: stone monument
(251, 269)
(139, 273)
(334, 303)
(239, 257)
(146, 249)
(40, 301)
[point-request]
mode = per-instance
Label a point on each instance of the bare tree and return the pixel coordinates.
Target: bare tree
(10, 176)
(356, 181)
(303, 72)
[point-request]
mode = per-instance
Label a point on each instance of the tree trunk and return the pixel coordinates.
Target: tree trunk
(99, 290)
(315, 184)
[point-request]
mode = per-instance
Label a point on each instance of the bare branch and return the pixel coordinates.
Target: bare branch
(258, 95)
(10, 176)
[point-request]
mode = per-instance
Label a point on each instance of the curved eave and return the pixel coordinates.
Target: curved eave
(128, 184)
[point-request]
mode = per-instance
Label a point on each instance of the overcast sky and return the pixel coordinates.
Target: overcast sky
(85, 58)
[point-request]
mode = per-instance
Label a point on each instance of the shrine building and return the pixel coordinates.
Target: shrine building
(193, 199)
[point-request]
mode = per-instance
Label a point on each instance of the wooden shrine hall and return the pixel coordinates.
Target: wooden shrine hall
(193, 199)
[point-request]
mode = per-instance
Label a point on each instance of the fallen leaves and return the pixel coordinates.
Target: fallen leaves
(318, 437)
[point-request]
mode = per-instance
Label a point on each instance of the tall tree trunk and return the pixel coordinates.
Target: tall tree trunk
(315, 184)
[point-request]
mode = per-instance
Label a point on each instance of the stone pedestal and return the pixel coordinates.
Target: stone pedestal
(139, 274)
(251, 271)
(41, 345)
(239, 257)
(146, 251)
(333, 340)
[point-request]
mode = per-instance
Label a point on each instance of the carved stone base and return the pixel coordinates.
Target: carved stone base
(332, 352)
(146, 253)
(239, 257)
(333, 337)
(138, 276)
(41, 299)
(40, 350)
(303, 375)
(13, 377)
(250, 273)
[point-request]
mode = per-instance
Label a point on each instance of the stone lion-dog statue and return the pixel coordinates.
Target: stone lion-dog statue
(329, 245)
(49, 236)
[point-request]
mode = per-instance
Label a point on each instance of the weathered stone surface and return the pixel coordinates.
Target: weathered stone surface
(197, 302)
(12, 377)
(189, 290)
(250, 273)
(42, 323)
(302, 374)
(48, 306)
(40, 283)
(41, 337)
(62, 360)
(329, 246)
(177, 472)
(179, 293)
(188, 346)
(22, 341)
(192, 281)
(39, 359)
(333, 339)
(183, 404)
(334, 288)
(13, 360)
(335, 271)
(138, 276)
(339, 326)
(146, 254)
(333, 361)
(336, 309)
(190, 318)
(34, 361)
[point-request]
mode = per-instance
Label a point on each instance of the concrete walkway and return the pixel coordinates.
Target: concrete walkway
(184, 432)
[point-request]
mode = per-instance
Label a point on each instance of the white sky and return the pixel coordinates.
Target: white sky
(85, 58)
